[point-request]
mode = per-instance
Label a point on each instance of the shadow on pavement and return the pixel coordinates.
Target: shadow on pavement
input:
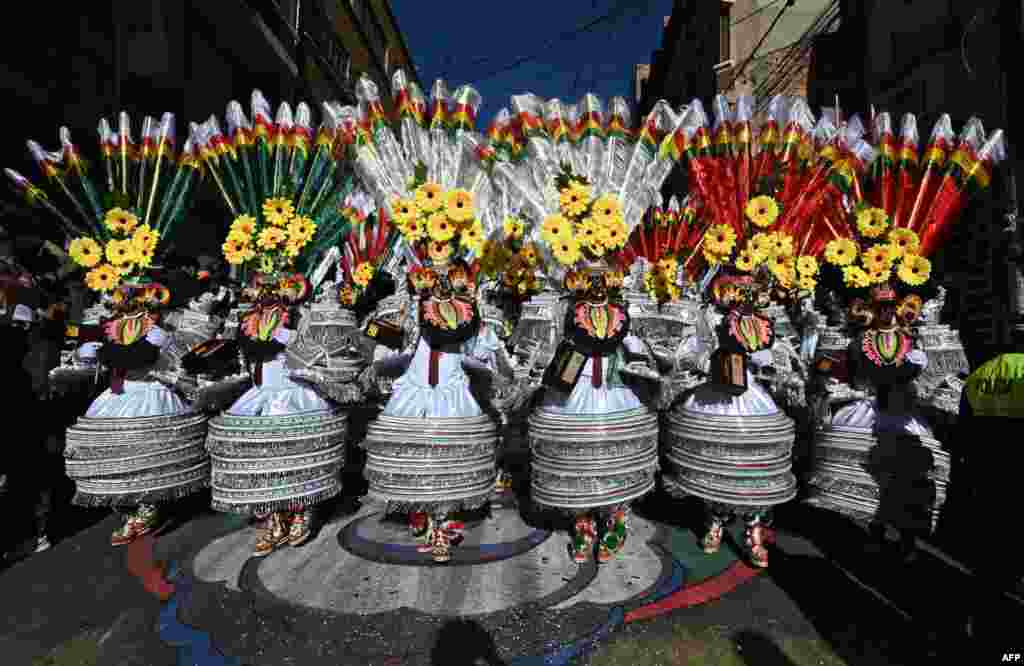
(757, 649)
(464, 643)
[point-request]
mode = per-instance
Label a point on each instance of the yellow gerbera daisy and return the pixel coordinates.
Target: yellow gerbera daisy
(120, 221)
(668, 266)
(271, 237)
(414, 230)
(780, 243)
(237, 250)
(292, 248)
(903, 241)
(606, 208)
(429, 197)
(145, 239)
(614, 234)
(85, 252)
(720, 239)
(841, 252)
(513, 228)
(244, 224)
(440, 227)
(786, 276)
(566, 250)
(762, 211)
(745, 261)
(278, 211)
(588, 233)
(914, 270)
(529, 254)
(781, 262)
(102, 278)
(880, 275)
(439, 251)
(872, 222)
(406, 211)
(854, 276)
(807, 265)
(459, 205)
(714, 258)
(807, 283)
(144, 258)
(876, 258)
(363, 274)
(120, 252)
(301, 230)
(574, 199)
(472, 237)
(555, 229)
(759, 246)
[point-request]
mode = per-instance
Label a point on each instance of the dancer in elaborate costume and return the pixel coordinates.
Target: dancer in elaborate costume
(277, 451)
(593, 438)
(432, 450)
(139, 444)
(877, 459)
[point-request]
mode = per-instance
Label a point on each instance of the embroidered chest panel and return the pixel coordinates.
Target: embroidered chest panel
(447, 315)
(886, 348)
(129, 329)
(263, 322)
(751, 331)
(601, 322)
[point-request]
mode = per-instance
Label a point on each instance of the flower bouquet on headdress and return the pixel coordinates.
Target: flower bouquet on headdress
(513, 263)
(283, 185)
(114, 232)
(663, 242)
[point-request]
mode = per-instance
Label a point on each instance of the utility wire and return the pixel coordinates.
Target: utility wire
(622, 9)
(796, 60)
(739, 72)
(755, 12)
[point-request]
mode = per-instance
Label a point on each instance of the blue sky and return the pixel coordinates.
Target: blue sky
(464, 42)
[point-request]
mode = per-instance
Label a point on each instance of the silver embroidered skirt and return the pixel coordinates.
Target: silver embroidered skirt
(122, 462)
(899, 479)
(731, 451)
(436, 464)
(276, 463)
(586, 462)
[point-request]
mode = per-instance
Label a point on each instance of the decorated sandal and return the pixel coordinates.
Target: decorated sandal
(758, 537)
(713, 538)
(301, 528)
(584, 535)
(423, 531)
(455, 530)
(144, 520)
(614, 539)
(503, 482)
(273, 536)
(440, 546)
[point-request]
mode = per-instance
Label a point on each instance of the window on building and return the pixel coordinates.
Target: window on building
(724, 33)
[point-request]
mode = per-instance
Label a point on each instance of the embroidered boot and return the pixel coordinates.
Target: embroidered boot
(584, 535)
(440, 546)
(713, 537)
(273, 536)
(144, 520)
(759, 536)
(302, 527)
(614, 538)
(455, 529)
(423, 531)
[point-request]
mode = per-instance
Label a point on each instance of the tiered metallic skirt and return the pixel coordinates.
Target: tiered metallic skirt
(126, 461)
(438, 464)
(739, 461)
(276, 463)
(900, 480)
(586, 462)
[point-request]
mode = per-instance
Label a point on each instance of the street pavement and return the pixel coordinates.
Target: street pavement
(826, 581)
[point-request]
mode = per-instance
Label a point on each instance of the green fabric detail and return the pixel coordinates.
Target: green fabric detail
(997, 387)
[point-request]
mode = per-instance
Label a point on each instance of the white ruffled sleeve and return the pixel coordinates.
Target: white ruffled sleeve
(158, 337)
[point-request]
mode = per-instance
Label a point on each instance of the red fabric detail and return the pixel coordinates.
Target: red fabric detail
(435, 359)
(144, 566)
(117, 377)
(597, 372)
(701, 593)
